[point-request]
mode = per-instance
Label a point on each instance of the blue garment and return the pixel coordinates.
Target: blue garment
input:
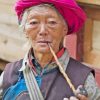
(15, 90)
(19, 88)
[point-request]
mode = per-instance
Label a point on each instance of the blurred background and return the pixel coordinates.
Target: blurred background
(11, 38)
(83, 46)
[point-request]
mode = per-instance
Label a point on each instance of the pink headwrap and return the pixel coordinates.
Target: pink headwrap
(71, 12)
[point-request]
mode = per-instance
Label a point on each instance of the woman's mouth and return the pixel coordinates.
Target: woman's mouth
(45, 42)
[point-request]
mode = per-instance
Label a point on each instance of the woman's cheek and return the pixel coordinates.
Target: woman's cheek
(30, 34)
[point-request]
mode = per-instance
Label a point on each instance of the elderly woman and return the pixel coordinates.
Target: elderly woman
(37, 75)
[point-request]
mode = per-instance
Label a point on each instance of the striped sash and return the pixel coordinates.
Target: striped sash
(32, 86)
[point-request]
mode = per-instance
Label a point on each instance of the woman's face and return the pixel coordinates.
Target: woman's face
(44, 26)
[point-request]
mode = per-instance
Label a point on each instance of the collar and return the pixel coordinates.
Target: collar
(62, 55)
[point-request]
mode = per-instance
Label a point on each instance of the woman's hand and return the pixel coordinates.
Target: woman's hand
(81, 94)
(79, 97)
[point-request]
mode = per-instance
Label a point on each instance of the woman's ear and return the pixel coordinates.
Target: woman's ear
(65, 30)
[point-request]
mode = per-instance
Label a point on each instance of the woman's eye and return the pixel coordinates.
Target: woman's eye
(33, 23)
(53, 22)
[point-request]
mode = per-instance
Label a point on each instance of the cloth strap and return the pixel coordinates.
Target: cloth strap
(32, 86)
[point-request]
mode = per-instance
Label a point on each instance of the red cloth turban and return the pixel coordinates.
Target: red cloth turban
(71, 12)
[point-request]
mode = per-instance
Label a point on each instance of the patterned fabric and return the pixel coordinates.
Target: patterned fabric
(38, 71)
(90, 84)
(92, 88)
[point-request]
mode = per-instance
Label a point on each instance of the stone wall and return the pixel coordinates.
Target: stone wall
(11, 40)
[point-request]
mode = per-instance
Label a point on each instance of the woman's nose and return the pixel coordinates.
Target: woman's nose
(43, 30)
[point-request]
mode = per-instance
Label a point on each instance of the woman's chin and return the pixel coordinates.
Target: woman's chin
(43, 49)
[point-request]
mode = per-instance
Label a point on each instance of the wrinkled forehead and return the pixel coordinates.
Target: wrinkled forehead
(41, 9)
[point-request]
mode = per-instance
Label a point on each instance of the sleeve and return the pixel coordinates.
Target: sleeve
(92, 88)
(1, 83)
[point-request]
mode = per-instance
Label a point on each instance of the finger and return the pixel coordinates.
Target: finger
(82, 97)
(73, 98)
(65, 99)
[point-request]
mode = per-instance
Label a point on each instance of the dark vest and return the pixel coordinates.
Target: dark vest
(54, 86)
